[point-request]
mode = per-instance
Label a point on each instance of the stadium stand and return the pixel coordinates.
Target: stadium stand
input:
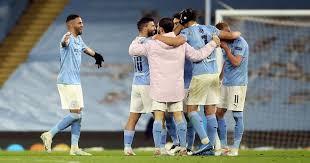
(20, 40)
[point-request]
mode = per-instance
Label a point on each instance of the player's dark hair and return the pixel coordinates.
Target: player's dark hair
(221, 25)
(143, 22)
(71, 17)
(177, 16)
(188, 15)
(166, 24)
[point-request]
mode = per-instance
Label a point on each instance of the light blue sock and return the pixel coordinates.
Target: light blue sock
(128, 138)
(190, 135)
(76, 131)
(64, 123)
(196, 121)
(172, 129)
(157, 129)
(239, 128)
(222, 130)
(181, 131)
(212, 128)
(163, 139)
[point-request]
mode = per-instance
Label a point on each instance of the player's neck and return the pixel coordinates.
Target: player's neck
(142, 34)
(73, 33)
(191, 23)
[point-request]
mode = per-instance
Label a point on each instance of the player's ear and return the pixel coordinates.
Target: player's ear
(161, 30)
(69, 24)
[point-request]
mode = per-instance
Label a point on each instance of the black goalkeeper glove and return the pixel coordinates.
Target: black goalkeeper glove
(99, 59)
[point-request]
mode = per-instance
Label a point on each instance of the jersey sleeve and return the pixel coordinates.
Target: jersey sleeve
(239, 48)
(215, 30)
(84, 46)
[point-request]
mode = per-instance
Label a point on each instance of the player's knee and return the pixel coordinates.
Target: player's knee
(220, 113)
(178, 116)
(210, 109)
(76, 110)
(192, 108)
(76, 116)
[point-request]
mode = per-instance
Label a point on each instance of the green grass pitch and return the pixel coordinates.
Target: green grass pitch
(111, 156)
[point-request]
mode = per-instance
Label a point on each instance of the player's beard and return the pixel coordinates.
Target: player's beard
(79, 31)
(151, 33)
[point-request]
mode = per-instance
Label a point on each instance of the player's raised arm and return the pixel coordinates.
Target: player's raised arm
(66, 40)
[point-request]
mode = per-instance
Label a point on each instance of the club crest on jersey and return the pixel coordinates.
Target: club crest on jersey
(201, 30)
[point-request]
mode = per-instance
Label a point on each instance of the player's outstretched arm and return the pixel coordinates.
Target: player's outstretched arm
(98, 57)
(235, 60)
(171, 41)
(66, 40)
(229, 35)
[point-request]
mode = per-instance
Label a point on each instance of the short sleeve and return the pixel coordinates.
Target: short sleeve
(215, 30)
(239, 48)
(84, 46)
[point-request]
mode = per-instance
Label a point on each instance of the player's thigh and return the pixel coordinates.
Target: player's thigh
(223, 98)
(197, 91)
(175, 106)
(71, 96)
(146, 99)
(159, 106)
(236, 98)
(136, 103)
(213, 89)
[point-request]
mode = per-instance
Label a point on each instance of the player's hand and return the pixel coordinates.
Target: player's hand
(155, 37)
(224, 45)
(99, 59)
(66, 39)
(216, 39)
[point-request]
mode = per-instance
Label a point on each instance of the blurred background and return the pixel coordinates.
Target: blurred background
(277, 113)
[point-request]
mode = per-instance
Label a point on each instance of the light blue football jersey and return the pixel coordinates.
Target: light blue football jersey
(197, 36)
(70, 61)
(141, 67)
(237, 76)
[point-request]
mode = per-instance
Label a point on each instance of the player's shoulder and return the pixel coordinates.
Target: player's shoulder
(241, 40)
(143, 40)
(206, 26)
(185, 31)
